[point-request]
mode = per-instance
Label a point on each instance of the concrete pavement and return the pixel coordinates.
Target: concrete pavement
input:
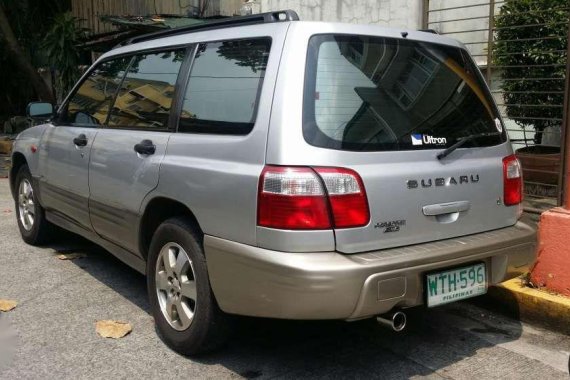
(52, 331)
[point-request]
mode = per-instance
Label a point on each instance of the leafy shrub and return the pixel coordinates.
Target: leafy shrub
(531, 42)
(61, 47)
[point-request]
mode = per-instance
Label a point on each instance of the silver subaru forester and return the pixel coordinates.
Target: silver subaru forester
(268, 167)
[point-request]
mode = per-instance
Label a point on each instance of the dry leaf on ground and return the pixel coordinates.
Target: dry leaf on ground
(7, 211)
(113, 329)
(71, 256)
(7, 305)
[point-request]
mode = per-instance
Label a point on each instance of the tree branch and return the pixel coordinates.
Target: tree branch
(41, 88)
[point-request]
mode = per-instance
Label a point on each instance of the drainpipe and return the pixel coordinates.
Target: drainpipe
(564, 180)
(490, 41)
(425, 14)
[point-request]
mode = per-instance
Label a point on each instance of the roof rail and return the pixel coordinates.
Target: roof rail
(260, 18)
(433, 31)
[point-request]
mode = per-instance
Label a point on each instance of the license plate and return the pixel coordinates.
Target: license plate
(456, 284)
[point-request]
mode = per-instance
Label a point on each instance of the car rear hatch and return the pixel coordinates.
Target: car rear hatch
(385, 108)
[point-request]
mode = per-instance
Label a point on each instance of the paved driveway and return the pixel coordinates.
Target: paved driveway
(60, 301)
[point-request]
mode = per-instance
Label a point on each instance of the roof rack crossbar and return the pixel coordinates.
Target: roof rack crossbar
(260, 18)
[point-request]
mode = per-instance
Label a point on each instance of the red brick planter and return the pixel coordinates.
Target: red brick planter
(552, 267)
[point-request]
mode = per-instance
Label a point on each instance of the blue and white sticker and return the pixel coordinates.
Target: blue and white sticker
(421, 139)
(499, 125)
(417, 139)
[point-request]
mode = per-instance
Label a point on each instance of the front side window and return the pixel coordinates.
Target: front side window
(145, 96)
(224, 86)
(376, 94)
(89, 105)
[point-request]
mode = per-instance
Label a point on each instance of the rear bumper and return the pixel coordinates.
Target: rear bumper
(254, 281)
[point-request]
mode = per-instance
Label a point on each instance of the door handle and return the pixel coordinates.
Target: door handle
(145, 147)
(80, 140)
(446, 208)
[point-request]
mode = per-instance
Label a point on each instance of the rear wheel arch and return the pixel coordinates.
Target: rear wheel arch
(157, 211)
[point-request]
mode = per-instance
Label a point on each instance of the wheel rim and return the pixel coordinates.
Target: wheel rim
(176, 286)
(26, 206)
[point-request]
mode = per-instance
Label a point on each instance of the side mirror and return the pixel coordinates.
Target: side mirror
(39, 110)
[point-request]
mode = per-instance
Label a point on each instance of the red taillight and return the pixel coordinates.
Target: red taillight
(512, 181)
(300, 198)
(347, 197)
(292, 198)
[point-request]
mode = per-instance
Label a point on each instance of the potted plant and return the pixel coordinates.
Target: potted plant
(530, 41)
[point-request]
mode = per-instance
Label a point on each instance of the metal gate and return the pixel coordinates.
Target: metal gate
(542, 105)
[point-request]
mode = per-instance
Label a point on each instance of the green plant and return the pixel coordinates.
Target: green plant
(530, 50)
(61, 47)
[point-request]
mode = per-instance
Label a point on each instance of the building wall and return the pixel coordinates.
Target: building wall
(229, 7)
(394, 13)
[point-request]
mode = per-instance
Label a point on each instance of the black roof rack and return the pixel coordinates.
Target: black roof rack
(260, 18)
(433, 31)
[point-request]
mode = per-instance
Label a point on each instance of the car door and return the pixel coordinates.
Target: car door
(66, 145)
(128, 150)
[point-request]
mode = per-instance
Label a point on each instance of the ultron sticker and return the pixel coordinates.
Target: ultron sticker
(421, 139)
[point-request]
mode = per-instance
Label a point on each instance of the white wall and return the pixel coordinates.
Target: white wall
(394, 13)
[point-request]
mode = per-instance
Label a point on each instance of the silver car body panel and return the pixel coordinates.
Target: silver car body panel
(116, 169)
(63, 172)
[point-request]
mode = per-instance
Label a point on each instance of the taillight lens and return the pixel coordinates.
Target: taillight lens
(347, 197)
(513, 181)
(292, 198)
(295, 198)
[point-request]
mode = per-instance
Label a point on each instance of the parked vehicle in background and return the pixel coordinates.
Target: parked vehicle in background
(268, 167)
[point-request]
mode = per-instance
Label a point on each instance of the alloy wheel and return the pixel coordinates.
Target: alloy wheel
(176, 286)
(26, 206)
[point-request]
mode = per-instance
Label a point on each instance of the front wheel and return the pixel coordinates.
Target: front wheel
(33, 225)
(183, 305)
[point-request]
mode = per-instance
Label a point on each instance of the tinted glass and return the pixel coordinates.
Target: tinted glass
(146, 94)
(224, 86)
(373, 93)
(89, 105)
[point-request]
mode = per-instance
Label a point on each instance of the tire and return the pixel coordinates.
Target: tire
(33, 225)
(171, 292)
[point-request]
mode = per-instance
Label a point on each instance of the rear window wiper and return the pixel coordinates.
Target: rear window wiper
(462, 141)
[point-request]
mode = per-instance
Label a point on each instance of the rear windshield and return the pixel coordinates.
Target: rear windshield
(376, 94)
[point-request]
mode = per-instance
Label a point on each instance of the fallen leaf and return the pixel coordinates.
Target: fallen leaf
(113, 329)
(7, 211)
(71, 256)
(7, 305)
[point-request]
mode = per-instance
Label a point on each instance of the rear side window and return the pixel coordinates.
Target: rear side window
(145, 96)
(376, 94)
(224, 86)
(90, 103)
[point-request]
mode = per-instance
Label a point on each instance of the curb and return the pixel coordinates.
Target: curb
(532, 305)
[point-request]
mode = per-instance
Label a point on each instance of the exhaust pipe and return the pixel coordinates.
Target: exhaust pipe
(396, 320)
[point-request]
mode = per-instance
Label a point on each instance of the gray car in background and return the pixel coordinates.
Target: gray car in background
(268, 167)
